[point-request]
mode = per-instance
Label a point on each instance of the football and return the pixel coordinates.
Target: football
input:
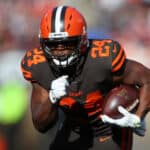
(122, 95)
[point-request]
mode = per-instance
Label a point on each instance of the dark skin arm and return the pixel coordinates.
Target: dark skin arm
(136, 73)
(44, 113)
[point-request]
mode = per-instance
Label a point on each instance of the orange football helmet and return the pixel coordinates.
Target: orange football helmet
(65, 26)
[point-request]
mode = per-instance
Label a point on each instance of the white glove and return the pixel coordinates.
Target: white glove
(128, 119)
(58, 88)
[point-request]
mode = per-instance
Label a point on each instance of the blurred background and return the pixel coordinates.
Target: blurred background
(127, 21)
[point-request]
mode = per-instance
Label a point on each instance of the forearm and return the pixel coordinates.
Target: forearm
(44, 116)
(137, 74)
(144, 105)
(44, 103)
(44, 113)
(140, 75)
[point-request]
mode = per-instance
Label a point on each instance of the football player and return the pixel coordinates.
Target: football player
(70, 76)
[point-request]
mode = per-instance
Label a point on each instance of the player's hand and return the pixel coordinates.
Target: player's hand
(58, 88)
(128, 119)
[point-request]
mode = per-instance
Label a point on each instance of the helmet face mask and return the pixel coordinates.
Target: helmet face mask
(62, 52)
(63, 36)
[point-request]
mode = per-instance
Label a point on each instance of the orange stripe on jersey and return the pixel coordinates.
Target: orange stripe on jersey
(120, 64)
(93, 103)
(117, 58)
(94, 112)
(67, 101)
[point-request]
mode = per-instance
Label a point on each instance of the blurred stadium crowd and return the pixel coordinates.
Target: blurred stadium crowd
(127, 21)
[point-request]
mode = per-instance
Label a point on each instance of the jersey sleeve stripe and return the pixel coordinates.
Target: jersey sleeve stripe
(116, 68)
(117, 58)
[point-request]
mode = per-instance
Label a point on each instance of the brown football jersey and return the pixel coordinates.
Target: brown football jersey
(85, 93)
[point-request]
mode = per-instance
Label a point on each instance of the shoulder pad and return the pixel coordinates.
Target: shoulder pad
(110, 49)
(31, 58)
